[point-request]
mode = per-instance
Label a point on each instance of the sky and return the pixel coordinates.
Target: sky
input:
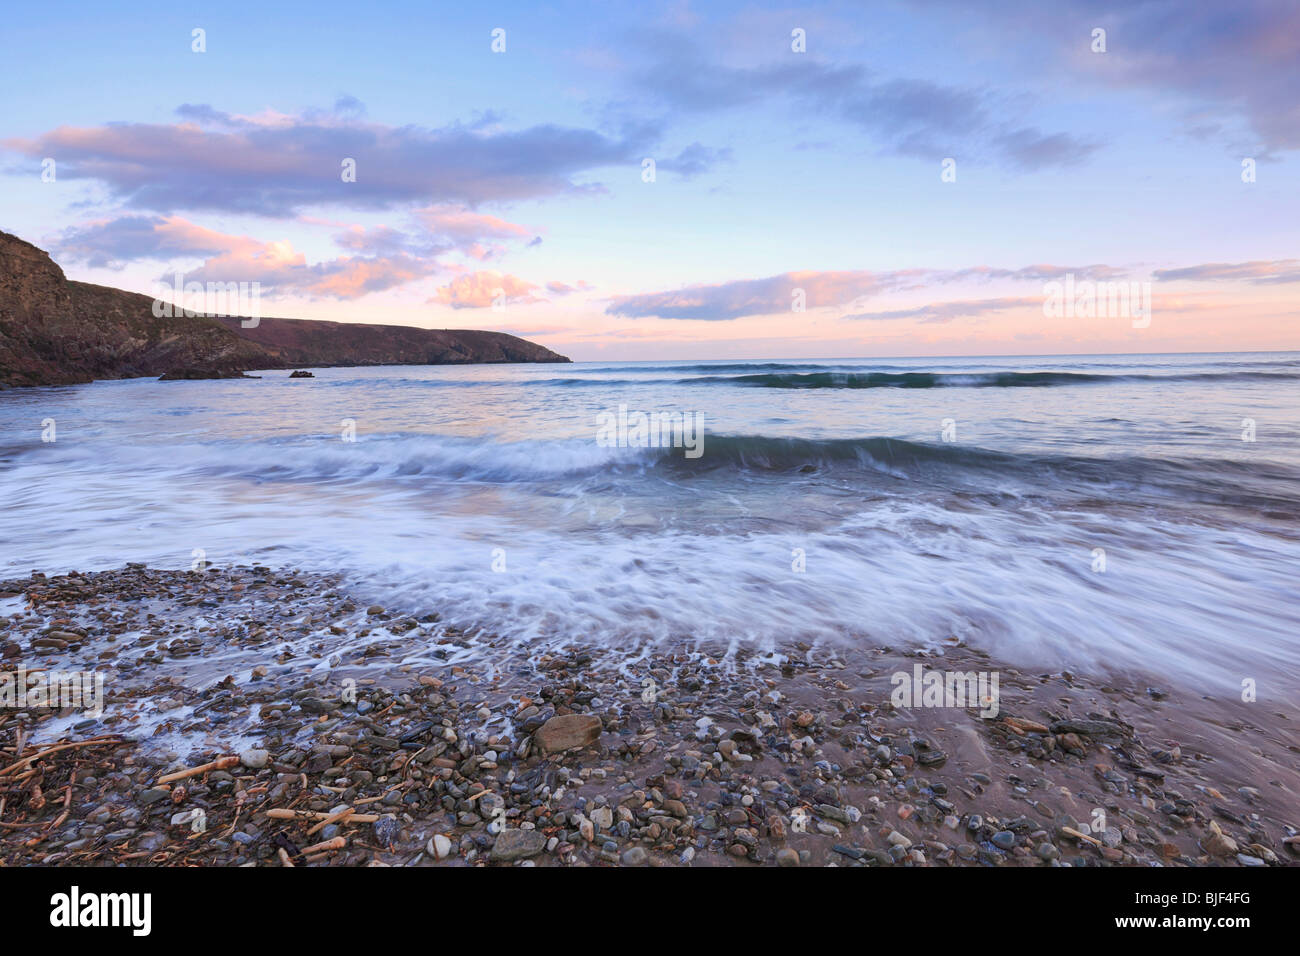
(680, 180)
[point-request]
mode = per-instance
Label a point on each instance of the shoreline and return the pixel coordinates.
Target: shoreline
(414, 743)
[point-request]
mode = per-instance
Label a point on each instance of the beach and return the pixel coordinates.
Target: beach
(905, 612)
(265, 717)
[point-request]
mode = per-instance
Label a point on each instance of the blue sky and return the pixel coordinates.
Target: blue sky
(505, 190)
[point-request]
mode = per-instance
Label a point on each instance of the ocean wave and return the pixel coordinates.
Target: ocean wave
(878, 463)
(971, 379)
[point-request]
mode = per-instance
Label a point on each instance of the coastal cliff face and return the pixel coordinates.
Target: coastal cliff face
(57, 332)
(54, 331)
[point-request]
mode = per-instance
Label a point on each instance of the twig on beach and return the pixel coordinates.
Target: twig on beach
(67, 803)
(221, 763)
(285, 814)
(332, 818)
(94, 742)
(328, 846)
(1081, 836)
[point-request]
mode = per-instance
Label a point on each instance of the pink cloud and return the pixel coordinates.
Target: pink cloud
(478, 290)
(563, 288)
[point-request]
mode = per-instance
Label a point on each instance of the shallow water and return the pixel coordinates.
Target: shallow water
(482, 491)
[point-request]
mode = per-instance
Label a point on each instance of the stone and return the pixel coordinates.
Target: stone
(516, 844)
(567, 732)
(635, 856)
(439, 846)
(255, 759)
(1092, 728)
(1219, 844)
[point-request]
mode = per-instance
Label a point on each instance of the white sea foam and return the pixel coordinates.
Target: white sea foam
(527, 527)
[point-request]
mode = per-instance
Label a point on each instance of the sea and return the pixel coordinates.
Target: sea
(1126, 514)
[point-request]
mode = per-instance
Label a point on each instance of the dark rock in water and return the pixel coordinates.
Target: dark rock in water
(299, 373)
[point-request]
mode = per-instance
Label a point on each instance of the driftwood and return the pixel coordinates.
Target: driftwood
(337, 843)
(333, 818)
(221, 763)
(1081, 836)
(95, 742)
(286, 814)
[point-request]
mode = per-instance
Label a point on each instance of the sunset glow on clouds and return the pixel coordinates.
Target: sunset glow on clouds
(510, 190)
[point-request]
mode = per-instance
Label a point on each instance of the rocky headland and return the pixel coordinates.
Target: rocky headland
(56, 331)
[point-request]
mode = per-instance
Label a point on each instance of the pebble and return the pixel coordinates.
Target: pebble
(255, 759)
(516, 844)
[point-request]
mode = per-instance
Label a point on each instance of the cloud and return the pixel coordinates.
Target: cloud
(277, 164)
(1030, 149)
(563, 288)
(479, 290)
(906, 116)
(947, 311)
(378, 257)
(112, 243)
(733, 300)
(436, 231)
(470, 232)
(775, 294)
(281, 270)
(228, 258)
(1258, 272)
(1234, 65)
(694, 160)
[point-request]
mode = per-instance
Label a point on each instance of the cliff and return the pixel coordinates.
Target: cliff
(301, 342)
(54, 331)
